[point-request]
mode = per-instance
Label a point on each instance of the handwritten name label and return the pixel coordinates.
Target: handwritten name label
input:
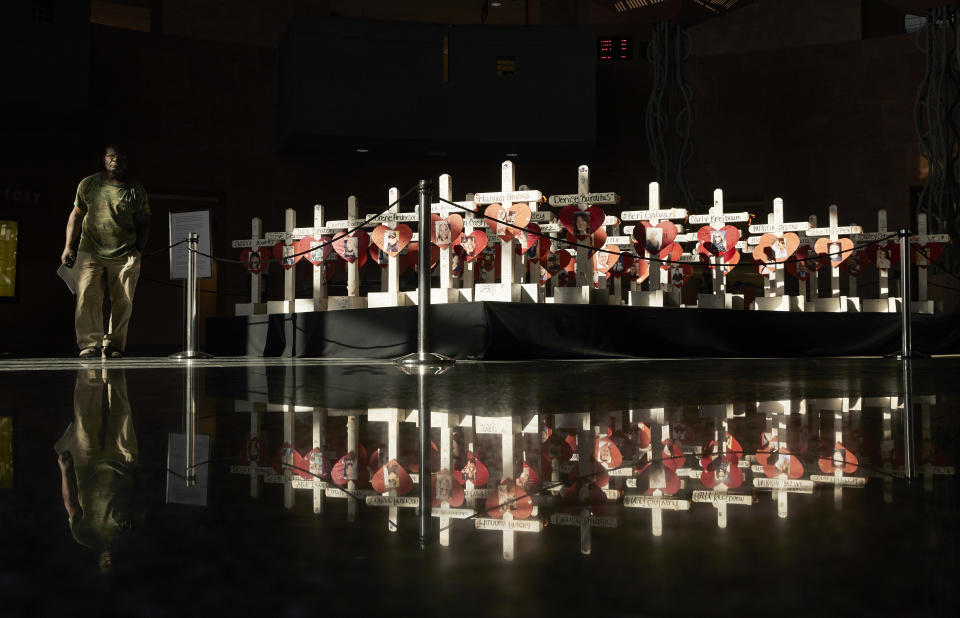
(494, 424)
(827, 231)
(717, 497)
(584, 198)
(507, 198)
(792, 485)
(845, 481)
(520, 525)
(594, 521)
(391, 217)
(452, 513)
(727, 217)
(238, 469)
(404, 501)
(477, 493)
(541, 216)
(773, 228)
(240, 244)
(619, 240)
(342, 224)
(656, 502)
(308, 484)
(653, 215)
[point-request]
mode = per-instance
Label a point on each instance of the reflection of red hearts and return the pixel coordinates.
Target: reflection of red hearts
(680, 274)
(584, 492)
(281, 251)
(654, 238)
(347, 469)
(607, 453)
(392, 477)
(529, 480)
(509, 498)
(891, 249)
(526, 241)
(307, 247)
(413, 255)
(662, 478)
(774, 248)
(643, 435)
(263, 254)
(443, 488)
(811, 263)
(581, 223)
(673, 457)
(839, 458)
(835, 250)
(782, 461)
(517, 214)
(722, 470)
(718, 242)
(933, 251)
(473, 470)
(392, 241)
(353, 248)
(473, 244)
(450, 227)
(299, 465)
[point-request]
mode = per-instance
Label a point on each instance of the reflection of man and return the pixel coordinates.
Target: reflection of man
(98, 459)
(111, 221)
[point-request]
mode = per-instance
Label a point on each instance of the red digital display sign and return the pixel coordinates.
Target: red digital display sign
(615, 49)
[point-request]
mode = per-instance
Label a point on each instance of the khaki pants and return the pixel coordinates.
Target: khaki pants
(121, 275)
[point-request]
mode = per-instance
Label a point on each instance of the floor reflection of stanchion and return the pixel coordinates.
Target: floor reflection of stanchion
(190, 428)
(423, 361)
(909, 446)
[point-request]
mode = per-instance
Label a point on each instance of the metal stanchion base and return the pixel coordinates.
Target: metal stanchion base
(188, 355)
(412, 364)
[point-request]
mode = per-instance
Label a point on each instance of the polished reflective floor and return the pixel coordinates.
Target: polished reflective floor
(631, 488)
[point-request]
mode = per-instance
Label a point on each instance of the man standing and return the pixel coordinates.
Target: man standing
(111, 220)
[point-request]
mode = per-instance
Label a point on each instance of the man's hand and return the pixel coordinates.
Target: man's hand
(68, 257)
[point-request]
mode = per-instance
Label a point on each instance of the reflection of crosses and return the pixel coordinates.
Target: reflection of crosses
(654, 215)
(657, 504)
(445, 513)
(507, 427)
(506, 197)
(314, 483)
(778, 412)
(352, 495)
(392, 417)
(719, 496)
(585, 521)
(840, 407)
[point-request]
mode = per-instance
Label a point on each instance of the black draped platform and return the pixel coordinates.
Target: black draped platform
(507, 331)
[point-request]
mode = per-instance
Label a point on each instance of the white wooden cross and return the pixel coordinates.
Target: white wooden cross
(289, 274)
(778, 415)
(507, 427)
(583, 199)
(318, 230)
(923, 238)
(254, 243)
(720, 495)
(445, 192)
(654, 215)
(256, 400)
(352, 221)
(778, 228)
(717, 219)
(657, 502)
(506, 197)
(840, 408)
(834, 231)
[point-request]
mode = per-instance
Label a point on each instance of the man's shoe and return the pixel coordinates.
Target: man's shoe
(90, 353)
(112, 353)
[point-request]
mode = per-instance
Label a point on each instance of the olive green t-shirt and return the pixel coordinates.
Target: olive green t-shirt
(112, 213)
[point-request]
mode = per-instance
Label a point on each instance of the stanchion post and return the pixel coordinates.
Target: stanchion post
(906, 322)
(909, 446)
(191, 303)
(423, 412)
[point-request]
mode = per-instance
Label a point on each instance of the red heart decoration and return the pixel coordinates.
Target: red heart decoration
(581, 223)
(840, 457)
(891, 253)
(529, 480)
(932, 249)
(616, 264)
(348, 468)
(670, 255)
(392, 240)
(309, 248)
(654, 239)
(640, 270)
(379, 256)
(281, 251)
(597, 240)
(732, 449)
(517, 214)
(526, 242)
(353, 248)
(722, 470)
(663, 478)
(473, 244)
(773, 248)
(781, 461)
(718, 242)
(673, 456)
(445, 230)
(392, 477)
(680, 274)
(854, 263)
(643, 435)
(728, 263)
(607, 454)
(555, 263)
(472, 470)
(811, 262)
(443, 488)
(256, 267)
(509, 498)
(413, 256)
(835, 250)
